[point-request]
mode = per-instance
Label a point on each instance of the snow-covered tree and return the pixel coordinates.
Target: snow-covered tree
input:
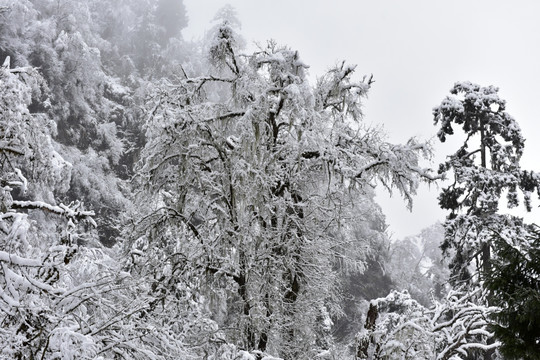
(62, 295)
(398, 327)
(248, 174)
(485, 168)
(96, 58)
(33, 252)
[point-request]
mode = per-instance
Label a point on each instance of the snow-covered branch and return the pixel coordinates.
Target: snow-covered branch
(18, 260)
(404, 329)
(63, 210)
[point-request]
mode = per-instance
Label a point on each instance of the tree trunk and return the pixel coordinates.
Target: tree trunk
(486, 249)
(241, 280)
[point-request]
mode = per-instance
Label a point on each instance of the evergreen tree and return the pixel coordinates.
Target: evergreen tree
(484, 168)
(514, 281)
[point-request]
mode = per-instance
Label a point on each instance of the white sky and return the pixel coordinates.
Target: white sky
(416, 50)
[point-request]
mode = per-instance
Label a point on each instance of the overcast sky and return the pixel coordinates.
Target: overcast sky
(416, 50)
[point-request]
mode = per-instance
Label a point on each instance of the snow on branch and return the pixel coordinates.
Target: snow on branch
(396, 167)
(200, 81)
(7, 62)
(18, 260)
(400, 327)
(6, 148)
(63, 210)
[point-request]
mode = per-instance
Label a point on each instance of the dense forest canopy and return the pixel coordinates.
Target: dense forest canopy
(167, 199)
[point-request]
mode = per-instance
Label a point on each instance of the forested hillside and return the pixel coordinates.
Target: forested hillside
(167, 199)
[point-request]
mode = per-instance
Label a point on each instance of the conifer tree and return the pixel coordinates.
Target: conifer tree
(514, 281)
(484, 168)
(484, 241)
